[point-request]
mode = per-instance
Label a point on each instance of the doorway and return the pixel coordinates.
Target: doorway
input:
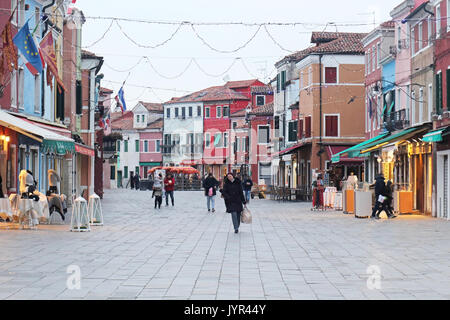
(119, 178)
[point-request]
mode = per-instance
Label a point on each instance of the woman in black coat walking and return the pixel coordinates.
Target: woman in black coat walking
(234, 199)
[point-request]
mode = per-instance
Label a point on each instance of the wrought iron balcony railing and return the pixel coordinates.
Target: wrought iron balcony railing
(396, 120)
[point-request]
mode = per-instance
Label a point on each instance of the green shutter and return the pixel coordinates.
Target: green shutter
(278, 82)
(125, 169)
(283, 80)
(439, 93)
(137, 145)
(125, 146)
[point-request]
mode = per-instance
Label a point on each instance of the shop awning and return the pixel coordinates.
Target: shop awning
(85, 150)
(149, 164)
(290, 149)
(434, 136)
(355, 150)
(51, 141)
(333, 150)
(402, 135)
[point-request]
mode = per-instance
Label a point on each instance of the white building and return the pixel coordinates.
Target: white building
(183, 132)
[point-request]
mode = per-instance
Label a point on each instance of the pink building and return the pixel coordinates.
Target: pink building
(150, 147)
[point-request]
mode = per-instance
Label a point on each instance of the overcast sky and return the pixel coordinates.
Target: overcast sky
(171, 59)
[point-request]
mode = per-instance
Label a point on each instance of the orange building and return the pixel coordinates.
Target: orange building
(331, 107)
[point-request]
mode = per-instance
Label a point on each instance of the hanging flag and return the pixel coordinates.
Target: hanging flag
(9, 51)
(370, 107)
(29, 50)
(48, 53)
(121, 100)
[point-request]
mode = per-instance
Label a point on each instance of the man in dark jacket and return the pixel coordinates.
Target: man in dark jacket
(380, 190)
(210, 184)
(247, 184)
(234, 199)
(387, 204)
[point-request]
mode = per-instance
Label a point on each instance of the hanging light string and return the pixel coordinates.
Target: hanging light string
(149, 46)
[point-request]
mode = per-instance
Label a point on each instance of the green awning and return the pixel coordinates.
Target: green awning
(57, 147)
(434, 136)
(355, 150)
(405, 134)
(150, 164)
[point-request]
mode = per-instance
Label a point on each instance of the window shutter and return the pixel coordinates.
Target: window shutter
(448, 83)
(330, 75)
(308, 127)
(283, 80)
(78, 97)
(278, 82)
(300, 129)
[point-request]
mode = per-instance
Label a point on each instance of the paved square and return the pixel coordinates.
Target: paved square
(182, 252)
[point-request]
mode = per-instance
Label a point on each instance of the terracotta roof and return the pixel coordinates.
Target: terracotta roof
(124, 122)
(240, 113)
(153, 107)
(216, 93)
(88, 54)
(265, 110)
(158, 124)
(240, 83)
(105, 90)
(329, 42)
(261, 89)
(388, 24)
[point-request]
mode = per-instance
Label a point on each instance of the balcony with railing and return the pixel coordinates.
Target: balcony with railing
(396, 120)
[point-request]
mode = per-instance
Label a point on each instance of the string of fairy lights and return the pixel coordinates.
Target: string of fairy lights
(194, 25)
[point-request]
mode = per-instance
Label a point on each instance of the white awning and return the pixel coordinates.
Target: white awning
(51, 140)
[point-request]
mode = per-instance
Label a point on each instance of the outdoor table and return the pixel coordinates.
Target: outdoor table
(30, 211)
(5, 208)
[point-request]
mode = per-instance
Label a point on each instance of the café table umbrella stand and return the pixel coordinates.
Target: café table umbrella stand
(95, 210)
(80, 217)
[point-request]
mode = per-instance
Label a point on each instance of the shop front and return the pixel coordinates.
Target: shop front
(26, 146)
(406, 160)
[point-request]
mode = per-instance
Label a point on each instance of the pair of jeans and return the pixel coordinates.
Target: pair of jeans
(158, 201)
(236, 217)
(210, 200)
(247, 195)
(171, 197)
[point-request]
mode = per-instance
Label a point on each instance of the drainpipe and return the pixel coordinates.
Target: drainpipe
(320, 110)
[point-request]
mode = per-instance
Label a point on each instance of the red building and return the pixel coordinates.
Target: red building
(223, 148)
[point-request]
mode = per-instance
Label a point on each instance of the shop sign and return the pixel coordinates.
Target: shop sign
(287, 157)
(84, 150)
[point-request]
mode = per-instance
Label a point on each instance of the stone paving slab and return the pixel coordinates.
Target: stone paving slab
(184, 252)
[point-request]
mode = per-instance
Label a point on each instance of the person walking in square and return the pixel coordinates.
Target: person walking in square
(210, 184)
(233, 195)
(247, 185)
(157, 191)
(379, 190)
(137, 181)
(131, 180)
(387, 203)
(169, 186)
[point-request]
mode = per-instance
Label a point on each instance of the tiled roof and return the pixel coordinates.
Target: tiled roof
(105, 90)
(240, 113)
(124, 122)
(216, 93)
(240, 83)
(388, 24)
(265, 110)
(261, 89)
(329, 42)
(158, 124)
(153, 107)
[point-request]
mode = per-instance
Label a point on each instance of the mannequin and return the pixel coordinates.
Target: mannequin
(53, 179)
(352, 181)
(27, 185)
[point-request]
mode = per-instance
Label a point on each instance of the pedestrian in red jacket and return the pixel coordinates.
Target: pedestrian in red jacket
(169, 186)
